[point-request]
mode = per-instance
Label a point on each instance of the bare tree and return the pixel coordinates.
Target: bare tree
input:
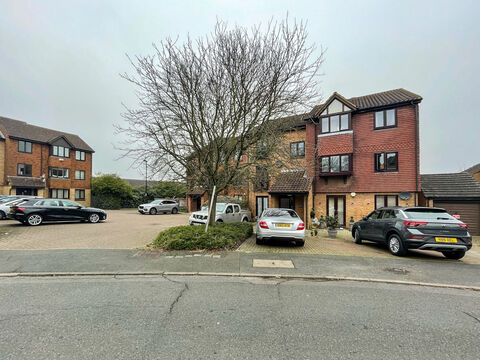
(204, 103)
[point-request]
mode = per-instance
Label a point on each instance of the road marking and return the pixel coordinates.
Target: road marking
(169, 257)
(287, 264)
(208, 255)
(179, 257)
(197, 254)
(188, 255)
(216, 256)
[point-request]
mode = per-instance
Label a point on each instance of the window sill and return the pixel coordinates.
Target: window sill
(385, 128)
(344, 173)
(335, 133)
(387, 172)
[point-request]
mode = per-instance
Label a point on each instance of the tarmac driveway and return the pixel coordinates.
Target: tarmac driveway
(124, 229)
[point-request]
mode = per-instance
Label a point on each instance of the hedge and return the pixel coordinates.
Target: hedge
(221, 236)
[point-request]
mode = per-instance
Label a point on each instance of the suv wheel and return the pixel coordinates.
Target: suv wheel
(174, 210)
(455, 255)
(153, 211)
(395, 245)
(356, 235)
(2, 215)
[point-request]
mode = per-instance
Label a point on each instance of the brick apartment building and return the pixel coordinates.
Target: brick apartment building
(44, 162)
(359, 154)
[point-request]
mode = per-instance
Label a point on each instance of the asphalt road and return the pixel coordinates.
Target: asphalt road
(233, 318)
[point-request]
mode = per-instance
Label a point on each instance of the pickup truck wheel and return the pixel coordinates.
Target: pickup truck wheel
(356, 235)
(395, 245)
(219, 221)
(245, 220)
(454, 255)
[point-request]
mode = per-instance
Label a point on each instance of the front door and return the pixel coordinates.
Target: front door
(287, 202)
(336, 207)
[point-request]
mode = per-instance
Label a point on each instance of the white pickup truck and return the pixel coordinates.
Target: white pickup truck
(227, 213)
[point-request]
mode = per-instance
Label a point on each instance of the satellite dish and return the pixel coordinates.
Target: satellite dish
(405, 195)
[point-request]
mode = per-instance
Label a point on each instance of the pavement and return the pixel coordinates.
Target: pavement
(173, 317)
(448, 272)
(124, 229)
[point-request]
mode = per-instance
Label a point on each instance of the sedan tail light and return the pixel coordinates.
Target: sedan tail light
(263, 225)
(414, 223)
(301, 226)
(463, 225)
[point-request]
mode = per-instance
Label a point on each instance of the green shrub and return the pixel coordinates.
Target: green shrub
(221, 236)
(106, 202)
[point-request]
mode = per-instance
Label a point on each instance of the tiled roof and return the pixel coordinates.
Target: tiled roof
(26, 181)
(196, 191)
(474, 169)
(291, 182)
(457, 185)
(386, 98)
(20, 129)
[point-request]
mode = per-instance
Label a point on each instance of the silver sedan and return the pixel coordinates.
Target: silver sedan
(280, 224)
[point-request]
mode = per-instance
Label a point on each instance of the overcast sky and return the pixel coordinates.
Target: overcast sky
(60, 61)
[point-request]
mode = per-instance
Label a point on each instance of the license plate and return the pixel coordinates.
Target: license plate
(282, 225)
(446, 240)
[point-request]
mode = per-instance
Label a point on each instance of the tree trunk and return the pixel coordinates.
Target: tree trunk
(214, 206)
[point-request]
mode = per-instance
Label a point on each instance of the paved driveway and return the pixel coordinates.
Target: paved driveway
(124, 229)
(344, 245)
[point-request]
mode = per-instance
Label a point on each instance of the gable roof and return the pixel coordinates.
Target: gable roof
(474, 169)
(22, 130)
(318, 110)
(291, 182)
(450, 186)
(377, 100)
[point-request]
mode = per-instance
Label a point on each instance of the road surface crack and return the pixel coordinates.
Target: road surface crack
(472, 316)
(179, 296)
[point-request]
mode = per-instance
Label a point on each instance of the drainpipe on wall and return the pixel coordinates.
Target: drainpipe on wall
(416, 153)
(314, 183)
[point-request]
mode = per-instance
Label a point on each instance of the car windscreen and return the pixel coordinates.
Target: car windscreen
(156, 202)
(429, 214)
(218, 208)
(7, 199)
(279, 213)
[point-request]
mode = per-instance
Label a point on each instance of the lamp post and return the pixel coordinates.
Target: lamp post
(146, 169)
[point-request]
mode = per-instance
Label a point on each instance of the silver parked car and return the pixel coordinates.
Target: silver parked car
(280, 224)
(159, 206)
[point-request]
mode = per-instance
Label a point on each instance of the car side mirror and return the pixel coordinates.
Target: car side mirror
(79, 206)
(365, 218)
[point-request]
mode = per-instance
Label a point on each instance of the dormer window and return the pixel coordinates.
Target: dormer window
(336, 117)
(60, 151)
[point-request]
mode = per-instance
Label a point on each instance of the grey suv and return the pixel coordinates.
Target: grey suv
(159, 206)
(423, 228)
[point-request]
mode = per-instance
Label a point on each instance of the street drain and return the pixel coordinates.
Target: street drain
(287, 264)
(400, 271)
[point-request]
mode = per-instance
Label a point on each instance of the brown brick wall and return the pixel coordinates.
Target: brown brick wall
(41, 160)
(366, 142)
(335, 144)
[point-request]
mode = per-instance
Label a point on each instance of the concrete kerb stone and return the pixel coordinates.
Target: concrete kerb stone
(240, 275)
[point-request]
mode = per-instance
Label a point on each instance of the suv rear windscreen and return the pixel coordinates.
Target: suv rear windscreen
(432, 214)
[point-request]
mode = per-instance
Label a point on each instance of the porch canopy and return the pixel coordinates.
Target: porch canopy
(294, 182)
(26, 182)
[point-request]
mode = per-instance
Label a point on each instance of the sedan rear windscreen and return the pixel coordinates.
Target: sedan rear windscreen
(279, 213)
(433, 214)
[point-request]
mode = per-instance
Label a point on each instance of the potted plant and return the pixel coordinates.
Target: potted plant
(351, 223)
(322, 222)
(332, 226)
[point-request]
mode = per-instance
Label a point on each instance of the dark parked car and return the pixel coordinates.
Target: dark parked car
(34, 212)
(423, 228)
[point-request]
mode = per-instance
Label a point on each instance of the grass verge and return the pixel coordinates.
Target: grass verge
(219, 237)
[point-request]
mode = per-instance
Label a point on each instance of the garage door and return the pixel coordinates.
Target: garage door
(469, 213)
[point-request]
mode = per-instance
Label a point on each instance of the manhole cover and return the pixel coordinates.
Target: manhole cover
(287, 264)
